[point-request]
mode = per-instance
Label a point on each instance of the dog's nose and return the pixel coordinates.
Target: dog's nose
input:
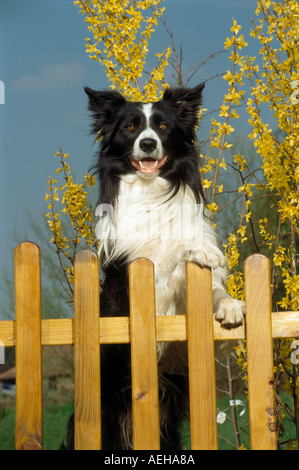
(148, 145)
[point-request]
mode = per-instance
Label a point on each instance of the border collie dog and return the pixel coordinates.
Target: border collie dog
(151, 205)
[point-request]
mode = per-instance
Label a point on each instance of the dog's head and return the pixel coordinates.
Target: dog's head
(147, 138)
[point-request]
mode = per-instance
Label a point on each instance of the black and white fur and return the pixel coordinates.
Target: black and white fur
(148, 168)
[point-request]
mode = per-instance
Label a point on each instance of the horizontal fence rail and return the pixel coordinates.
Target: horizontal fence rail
(143, 329)
(60, 331)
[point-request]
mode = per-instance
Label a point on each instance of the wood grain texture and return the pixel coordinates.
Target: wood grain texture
(87, 331)
(173, 328)
(145, 399)
(29, 379)
(201, 358)
(260, 354)
(87, 352)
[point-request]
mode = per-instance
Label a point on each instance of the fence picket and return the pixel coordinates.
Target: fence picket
(260, 354)
(87, 352)
(28, 332)
(145, 399)
(29, 380)
(202, 381)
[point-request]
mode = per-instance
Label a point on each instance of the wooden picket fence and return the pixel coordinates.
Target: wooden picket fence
(143, 329)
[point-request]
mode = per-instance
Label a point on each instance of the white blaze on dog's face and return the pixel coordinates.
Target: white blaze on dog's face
(148, 155)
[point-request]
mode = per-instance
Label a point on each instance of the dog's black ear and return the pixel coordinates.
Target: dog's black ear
(104, 106)
(187, 102)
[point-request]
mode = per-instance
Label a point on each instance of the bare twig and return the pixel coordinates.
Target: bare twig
(232, 398)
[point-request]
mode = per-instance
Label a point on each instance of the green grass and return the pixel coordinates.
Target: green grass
(226, 429)
(56, 419)
(55, 423)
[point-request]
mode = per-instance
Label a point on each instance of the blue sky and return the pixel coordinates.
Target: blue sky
(44, 67)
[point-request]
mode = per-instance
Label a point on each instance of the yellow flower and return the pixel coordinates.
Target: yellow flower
(235, 28)
(120, 29)
(242, 447)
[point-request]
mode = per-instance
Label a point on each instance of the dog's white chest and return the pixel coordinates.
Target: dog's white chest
(149, 223)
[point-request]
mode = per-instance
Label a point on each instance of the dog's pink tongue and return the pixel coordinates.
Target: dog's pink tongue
(148, 163)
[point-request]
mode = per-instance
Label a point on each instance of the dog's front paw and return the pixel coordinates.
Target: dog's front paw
(213, 259)
(231, 312)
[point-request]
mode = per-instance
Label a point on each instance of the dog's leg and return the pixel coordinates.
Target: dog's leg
(226, 309)
(170, 278)
(171, 274)
(229, 311)
(206, 254)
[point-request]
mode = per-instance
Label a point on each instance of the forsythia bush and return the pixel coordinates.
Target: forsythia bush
(275, 87)
(120, 36)
(114, 26)
(79, 212)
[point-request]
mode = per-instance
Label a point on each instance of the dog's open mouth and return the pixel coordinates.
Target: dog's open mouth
(148, 165)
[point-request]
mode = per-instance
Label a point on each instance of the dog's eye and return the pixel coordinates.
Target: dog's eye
(163, 126)
(131, 127)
